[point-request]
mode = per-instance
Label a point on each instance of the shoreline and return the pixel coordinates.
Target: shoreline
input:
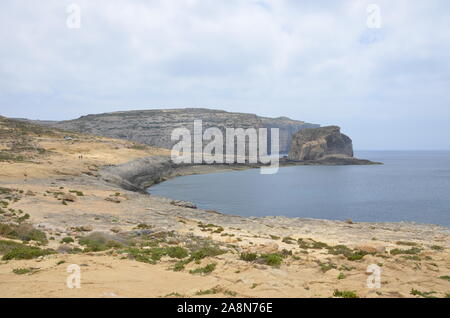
(131, 176)
(142, 173)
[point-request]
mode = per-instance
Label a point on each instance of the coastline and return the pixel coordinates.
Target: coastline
(106, 193)
(142, 173)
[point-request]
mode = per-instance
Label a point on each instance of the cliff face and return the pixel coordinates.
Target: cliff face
(320, 143)
(154, 127)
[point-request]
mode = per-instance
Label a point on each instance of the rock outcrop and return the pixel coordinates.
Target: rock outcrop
(154, 127)
(320, 143)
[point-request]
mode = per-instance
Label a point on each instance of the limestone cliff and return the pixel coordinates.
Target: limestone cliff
(320, 143)
(154, 127)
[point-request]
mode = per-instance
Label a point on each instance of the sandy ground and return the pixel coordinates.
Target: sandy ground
(308, 267)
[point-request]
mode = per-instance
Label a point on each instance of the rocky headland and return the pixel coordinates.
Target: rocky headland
(323, 145)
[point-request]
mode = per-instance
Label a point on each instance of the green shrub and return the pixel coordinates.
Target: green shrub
(34, 235)
(272, 259)
(319, 245)
(67, 239)
(288, 240)
(211, 291)
(447, 278)
(248, 257)
(6, 230)
(98, 242)
(177, 252)
(26, 252)
(24, 232)
(344, 294)
(351, 255)
(355, 256)
(208, 251)
(411, 251)
(416, 292)
(143, 226)
(5, 190)
(78, 193)
(412, 258)
(156, 253)
(140, 255)
(22, 271)
(150, 256)
(6, 246)
(204, 270)
(23, 218)
(179, 266)
(325, 267)
(406, 243)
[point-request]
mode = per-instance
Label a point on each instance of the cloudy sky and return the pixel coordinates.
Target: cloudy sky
(324, 62)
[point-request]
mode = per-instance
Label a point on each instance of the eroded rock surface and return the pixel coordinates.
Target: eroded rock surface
(320, 143)
(154, 127)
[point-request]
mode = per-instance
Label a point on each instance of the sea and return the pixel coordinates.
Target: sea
(410, 186)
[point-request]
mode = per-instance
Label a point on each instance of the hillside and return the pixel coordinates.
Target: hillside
(32, 151)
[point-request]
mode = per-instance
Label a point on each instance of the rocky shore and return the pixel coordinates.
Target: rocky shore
(141, 173)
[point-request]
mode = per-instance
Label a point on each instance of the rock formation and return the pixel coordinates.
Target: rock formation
(154, 127)
(320, 143)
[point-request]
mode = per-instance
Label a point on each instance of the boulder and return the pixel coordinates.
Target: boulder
(371, 249)
(86, 228)
(269, 248)
(116, 229)
(68, 197)
(184, 204)
(113, 199)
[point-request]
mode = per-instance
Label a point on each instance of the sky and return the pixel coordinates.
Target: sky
(379, 69)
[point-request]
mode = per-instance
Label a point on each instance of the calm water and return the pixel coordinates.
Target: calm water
(410, 186)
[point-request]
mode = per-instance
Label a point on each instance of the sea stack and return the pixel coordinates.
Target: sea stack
(320, 143)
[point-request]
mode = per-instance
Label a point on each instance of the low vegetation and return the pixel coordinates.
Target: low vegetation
(344, 294)
(24, 232)
(350, 254)
(325, 267)
(204, 270)
(411, 251)
(97, 242)
(22, 271)
(249, 257)
(67, 239)
(416, 292)
(216, 290)
(406, 243)
(78, 193)
(446, 277)
(12, 250)
(273, 259)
